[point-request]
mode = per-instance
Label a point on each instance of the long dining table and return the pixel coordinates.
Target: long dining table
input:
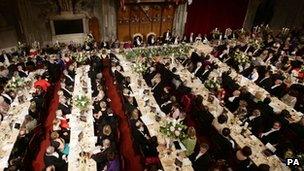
(145, 103)
(242, 136)
(16, 115)
(276, 103)
(82, 138)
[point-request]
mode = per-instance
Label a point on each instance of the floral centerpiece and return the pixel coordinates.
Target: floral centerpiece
(173, 129)
(79, 57)
(140, 68)
(241, 58)
(16, 83)
(212, 84)
(82, 102)
(256, 44)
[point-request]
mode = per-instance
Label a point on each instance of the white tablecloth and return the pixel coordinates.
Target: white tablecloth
(87, 144)
(148, 117)
(16, 114)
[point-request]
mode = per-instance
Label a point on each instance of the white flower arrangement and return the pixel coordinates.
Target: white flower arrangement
(173, 129)
(16, 83)
(140, 68)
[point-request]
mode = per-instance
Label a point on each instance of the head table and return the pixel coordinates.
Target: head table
(82, 139)
(166, 156)
(16, 115)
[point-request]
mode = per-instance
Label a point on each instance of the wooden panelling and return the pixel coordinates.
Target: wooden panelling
(144, 18)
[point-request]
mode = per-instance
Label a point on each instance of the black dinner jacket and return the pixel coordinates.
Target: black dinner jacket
(59, 164)
(9, 57)
(266, 83)
(65, 109)
(278, 91)
(203, 163)
(272, 138)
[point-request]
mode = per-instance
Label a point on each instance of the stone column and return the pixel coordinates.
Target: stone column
(107, 19)
(250, 14)
(180, 18)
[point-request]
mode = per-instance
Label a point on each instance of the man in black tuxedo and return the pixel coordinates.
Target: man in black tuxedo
(201, 159)
(256, 122)
(5, 58)
(137, 41)
(52, 158)
(151, 40)
(232, 103)
(167, 36)
(101, 157)
(198, 70)
(278, 89)
(225, 144)
(21, 72)
(272, 135)
(65, 108)
(266, 82)
(104, 45)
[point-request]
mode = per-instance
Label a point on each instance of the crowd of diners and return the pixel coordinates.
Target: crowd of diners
(275, 64)
(216, 151)
(21, 63)
(145, 145)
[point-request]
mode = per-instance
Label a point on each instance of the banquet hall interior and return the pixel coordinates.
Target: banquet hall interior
(151, 85)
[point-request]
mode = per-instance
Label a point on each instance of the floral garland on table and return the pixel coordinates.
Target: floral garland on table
(173, 129)
(16, 83)
(212, 84)
(241, 58)
(165, 51)
(82, 102)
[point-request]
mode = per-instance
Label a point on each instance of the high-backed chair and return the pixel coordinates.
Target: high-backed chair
(151, 38)
(138, 39)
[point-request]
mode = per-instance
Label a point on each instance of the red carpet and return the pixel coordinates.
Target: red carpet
(131, 159)
(38, 163)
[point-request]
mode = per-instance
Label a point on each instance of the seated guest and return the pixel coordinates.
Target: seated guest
(242, 158)
(266, 82)
(52, 158)
(263, 167)
(137, 41)
(141, 137)
(233, 102)
(21, 72)
(278, 89)
(273, 135)
(43, 83)
(59, 144)
(201, 159)
(101, 157)
(298, 128)
(66, 92)
(256, 122)
(68, 77)
(190, 142)
(113, 162)
(224, 143)
(254, 75)
(63, 106)
(175, 112)
(29, 123)
(4, 107)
